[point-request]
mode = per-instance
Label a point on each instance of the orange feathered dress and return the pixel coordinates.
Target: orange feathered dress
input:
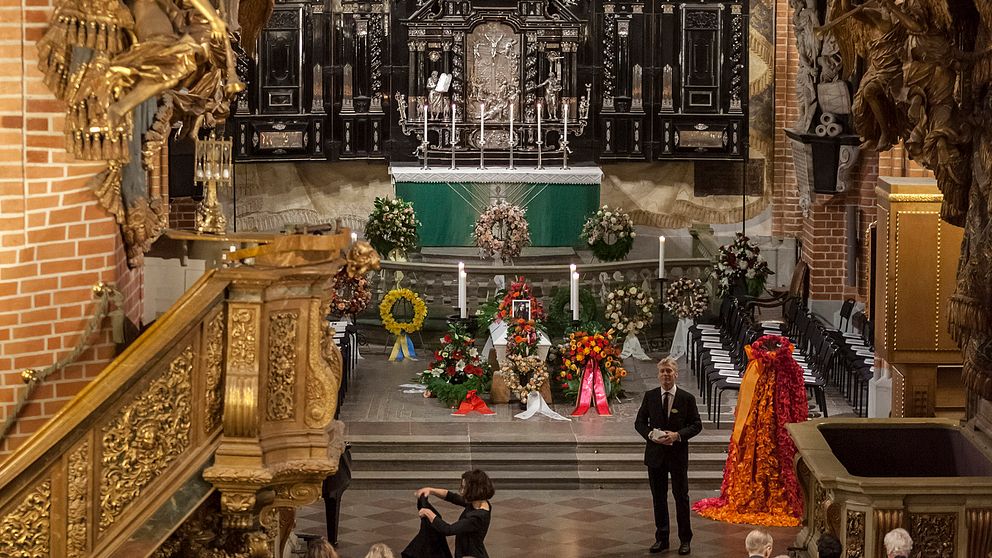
(759, 484)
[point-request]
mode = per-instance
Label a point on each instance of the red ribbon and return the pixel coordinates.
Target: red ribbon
(592, 385)
(475, 403)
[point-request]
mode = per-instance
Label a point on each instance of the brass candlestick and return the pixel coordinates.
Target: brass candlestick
(213, 170)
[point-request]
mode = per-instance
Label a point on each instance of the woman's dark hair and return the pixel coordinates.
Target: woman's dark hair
(829, 546)
(477, 485)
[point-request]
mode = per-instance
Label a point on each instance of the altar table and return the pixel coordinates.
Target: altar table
(448, 202)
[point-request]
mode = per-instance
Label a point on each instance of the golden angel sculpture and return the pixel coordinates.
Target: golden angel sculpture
(928, 83)
(107, 58)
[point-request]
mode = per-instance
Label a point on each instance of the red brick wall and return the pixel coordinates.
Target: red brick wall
(56, 242)
(182, 213)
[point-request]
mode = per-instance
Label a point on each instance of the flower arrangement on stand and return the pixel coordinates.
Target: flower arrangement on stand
(519, 290)
(629, 309)
(455, 368)
(392, 227)
(741, 262)
(349, 295)
(686, 298)
(502, 229)
(583, 347)
(609, 234)
(404, 345)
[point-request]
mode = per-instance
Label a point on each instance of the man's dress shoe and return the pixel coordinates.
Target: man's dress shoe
(684, 549)
(658, 547)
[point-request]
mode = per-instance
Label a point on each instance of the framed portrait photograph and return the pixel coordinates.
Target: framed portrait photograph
(521, 309)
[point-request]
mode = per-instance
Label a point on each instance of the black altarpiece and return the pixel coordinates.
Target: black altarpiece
(639, 80)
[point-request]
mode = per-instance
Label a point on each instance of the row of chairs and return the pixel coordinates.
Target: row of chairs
(718, 360)
(857, 352)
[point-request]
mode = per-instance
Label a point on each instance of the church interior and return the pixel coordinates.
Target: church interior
(270, 267)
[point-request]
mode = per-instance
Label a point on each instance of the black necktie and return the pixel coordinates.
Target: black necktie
(667, 402)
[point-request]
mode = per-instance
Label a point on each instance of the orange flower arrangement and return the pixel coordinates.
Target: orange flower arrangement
(519, 290)
(584, 346)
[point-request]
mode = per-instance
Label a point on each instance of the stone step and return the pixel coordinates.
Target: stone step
(525, 480)
(496, 461)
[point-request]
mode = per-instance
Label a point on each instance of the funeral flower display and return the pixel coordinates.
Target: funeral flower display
(349, 295)
(455, 368)
(686, 298)
(392, 225)
(519, 290)
(502, 229)
(741, 262)
(585, 347)
(609, 234)
(629, 309)
(523, 371)
(386, 312)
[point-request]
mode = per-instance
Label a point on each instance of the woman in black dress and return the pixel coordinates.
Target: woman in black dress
(473, 524)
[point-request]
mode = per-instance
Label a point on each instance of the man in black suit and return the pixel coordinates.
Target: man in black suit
(667, 419)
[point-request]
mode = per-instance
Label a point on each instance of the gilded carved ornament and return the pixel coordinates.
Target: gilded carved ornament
(323, 370)
(105, 59)
(145, 437)
(25, 531)
(213, 395)
(80, 471)
(281, 393)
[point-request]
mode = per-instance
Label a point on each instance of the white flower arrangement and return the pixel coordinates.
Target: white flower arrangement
(609, 233)
(502, 229)
(639, 303)
(392, 225)
(741, 261)
(686, 298)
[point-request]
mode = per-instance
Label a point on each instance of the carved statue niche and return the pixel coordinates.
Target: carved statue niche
(493, 71)
(105, 60)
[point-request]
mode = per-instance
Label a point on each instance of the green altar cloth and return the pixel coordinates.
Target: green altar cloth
(449, 202)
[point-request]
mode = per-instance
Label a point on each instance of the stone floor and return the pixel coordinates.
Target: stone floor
(608, 523)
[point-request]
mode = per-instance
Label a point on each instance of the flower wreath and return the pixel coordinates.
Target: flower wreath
(741, 262)
(581, 347)
(609, 233)
(617, 303)
(392, 225)
(519, 290)
(686, 298)
(386, 312)
(357, 287)
(560, 319)
(511, 236)
(531, 367)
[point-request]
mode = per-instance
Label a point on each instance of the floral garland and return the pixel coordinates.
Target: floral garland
(512, 232)
(356, 287)
(519, 290)
(530, 367)
(386, 312)
(392, 225)
(686, 298)
(741, 260)
(609, 233)
(580, 348)
(617, 302)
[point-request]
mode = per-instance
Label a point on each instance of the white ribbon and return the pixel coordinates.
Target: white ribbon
(632, 348)
(679, 347)
(535, 405)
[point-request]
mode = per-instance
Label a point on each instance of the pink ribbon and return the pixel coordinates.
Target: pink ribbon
(592, 385)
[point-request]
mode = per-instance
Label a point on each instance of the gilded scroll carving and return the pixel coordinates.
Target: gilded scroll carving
(79, 479)
(213, 372)
(855, 542)
(243, 339)
(933, 534)
(145, 437)
(25, 532)
(323, 371)
(204, 535)
(281, 394)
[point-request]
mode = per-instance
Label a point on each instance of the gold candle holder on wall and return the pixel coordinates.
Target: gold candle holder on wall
(213, 170)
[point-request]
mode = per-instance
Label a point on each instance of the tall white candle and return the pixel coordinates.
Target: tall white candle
(511, 123)
(454, 111)
(539, 121)
(565, 119)
(482, 123)
(425, 125)
(573, 292)
(462, 291)
(575, 296)
(661, 257)
(354, 237)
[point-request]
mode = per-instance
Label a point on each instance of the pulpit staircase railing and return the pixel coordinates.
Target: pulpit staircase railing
(200, 439)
